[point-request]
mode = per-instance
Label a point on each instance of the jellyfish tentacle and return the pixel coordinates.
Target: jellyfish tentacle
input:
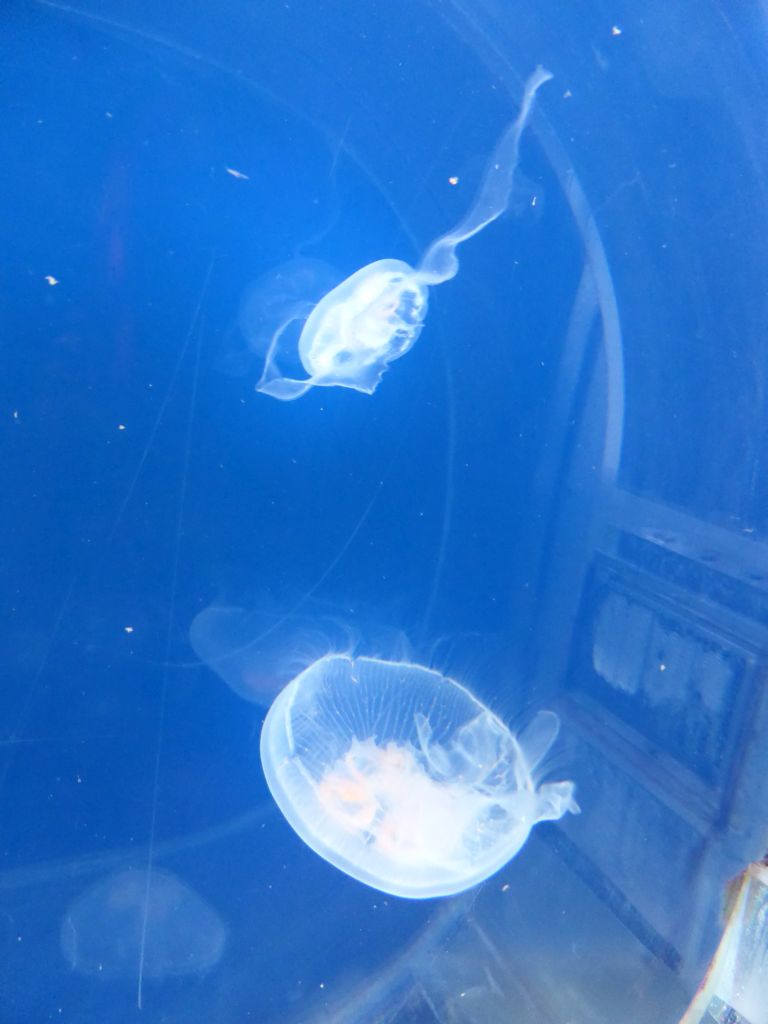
(440, 262)
(538, 737)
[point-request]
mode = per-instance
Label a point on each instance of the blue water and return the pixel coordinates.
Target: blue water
(556, 497)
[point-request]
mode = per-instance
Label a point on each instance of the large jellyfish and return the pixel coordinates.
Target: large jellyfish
(398, 776)
(375, 316)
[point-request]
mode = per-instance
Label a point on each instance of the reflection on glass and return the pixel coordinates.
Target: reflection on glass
(735, 988)
(127, 924)
(398, 776)
(375, 315)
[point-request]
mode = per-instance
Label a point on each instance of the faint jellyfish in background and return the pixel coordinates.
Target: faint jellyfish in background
(376, 315)
(121, 926)
(226, 639)
(273, 306)
(401, 778)
(257, 651)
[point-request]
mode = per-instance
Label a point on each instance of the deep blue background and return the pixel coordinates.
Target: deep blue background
(145, 480)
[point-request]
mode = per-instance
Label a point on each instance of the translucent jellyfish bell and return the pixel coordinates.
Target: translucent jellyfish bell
(257, 651)
(121, 923)
(375, 315)
(398, 776)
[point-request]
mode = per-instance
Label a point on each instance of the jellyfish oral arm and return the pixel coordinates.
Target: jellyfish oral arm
(284, 388)
(271, 381)
(440, 262)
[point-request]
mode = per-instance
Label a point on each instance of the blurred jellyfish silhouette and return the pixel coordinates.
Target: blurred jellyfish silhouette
(283, 296)
(257, 650)
(401, 778)
(376, 315)
(122, 925)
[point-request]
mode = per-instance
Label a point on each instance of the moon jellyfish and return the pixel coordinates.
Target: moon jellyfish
(401, 778)
(121, 925)
(376, 315)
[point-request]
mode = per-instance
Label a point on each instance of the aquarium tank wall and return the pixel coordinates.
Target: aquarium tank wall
(384, 578)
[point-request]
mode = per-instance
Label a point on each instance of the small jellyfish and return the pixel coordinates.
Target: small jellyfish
(375, 316)
(122, 925)
(401, 778)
